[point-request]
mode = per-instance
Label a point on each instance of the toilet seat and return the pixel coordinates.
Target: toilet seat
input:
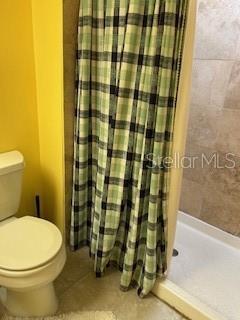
(27, 243)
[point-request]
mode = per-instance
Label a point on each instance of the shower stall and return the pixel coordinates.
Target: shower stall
(206, 268)
(204, 278)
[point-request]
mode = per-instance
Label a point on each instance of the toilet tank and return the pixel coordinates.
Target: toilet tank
(11, 171)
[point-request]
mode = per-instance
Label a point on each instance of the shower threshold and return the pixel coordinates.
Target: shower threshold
(204, 278)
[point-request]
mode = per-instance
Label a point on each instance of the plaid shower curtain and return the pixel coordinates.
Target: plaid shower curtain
(128, 65)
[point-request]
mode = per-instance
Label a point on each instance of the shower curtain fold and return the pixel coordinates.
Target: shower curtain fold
(127, 75)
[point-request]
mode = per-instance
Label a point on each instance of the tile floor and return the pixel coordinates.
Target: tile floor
(79, 290)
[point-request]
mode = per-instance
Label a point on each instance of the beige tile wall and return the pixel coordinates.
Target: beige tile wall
(211, 194)
(70, 18)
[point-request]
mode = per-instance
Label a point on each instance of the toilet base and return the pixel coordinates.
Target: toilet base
(38, 302)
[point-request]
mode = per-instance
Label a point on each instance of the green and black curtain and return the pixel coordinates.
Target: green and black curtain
(127, 76)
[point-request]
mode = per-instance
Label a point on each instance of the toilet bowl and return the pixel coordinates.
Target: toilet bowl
(32, 256)
(32, 251)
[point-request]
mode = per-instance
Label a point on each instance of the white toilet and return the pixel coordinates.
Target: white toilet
(32, 251)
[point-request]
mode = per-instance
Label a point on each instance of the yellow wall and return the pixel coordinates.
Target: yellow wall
(179, 139)
(181, 124)
(31, 103)
(165, 289)
(18, 107)
(48, 47)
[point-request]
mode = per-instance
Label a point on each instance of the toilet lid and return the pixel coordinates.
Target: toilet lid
(27, 243)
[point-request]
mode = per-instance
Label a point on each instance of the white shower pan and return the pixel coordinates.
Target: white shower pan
(204, 278)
